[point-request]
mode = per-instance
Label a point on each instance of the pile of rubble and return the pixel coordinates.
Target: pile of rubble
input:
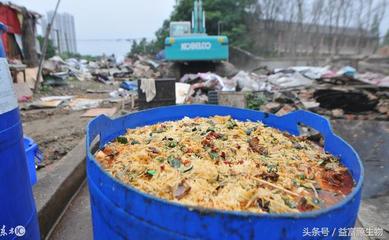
(337, 92)
(343, 93)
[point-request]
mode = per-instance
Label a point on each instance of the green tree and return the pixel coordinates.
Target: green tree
(50, 52)
(386, 38)
(232, 14)
(142, 47)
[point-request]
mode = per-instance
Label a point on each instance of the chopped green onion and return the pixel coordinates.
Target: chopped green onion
(172, 144)
(122, 140)
(151, 172)
(214, 155)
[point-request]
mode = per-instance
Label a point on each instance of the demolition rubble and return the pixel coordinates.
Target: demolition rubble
(337, 92)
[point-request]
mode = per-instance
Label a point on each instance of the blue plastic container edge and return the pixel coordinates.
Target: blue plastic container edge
(32, 153)
(296, 117)
(33, 146)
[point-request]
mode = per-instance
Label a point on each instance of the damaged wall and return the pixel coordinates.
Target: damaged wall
(283, 38)
(29, 39)
(248, 61)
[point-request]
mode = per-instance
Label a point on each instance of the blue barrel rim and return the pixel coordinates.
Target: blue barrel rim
(312, 214)
(31, 143)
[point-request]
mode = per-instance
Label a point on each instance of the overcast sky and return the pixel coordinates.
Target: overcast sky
(116, 19)
(111, 19)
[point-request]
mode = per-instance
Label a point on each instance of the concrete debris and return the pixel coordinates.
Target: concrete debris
(374, 79)
(310, 104)
(383, 106)
(104, 70)
(289, 80)
(307, 71)
(372, 66)
(271, 107)
(285, 109)
(338, 91)
(251, 82)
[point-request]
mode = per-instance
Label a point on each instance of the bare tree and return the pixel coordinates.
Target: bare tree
(317, 27)
(370, 15)
(317, 12)
(346, 13)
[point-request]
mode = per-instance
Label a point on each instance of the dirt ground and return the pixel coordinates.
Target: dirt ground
(59, 130)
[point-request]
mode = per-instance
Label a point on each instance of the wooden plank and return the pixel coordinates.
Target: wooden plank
(233, 99)
(99, 111)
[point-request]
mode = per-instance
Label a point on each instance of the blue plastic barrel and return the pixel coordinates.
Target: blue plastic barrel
(122, 212)
(18, 218)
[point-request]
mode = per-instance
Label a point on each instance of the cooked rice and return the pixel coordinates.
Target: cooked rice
(225, 164)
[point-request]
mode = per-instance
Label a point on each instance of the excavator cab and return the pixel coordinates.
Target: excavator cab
(180, 29)
(188, 41)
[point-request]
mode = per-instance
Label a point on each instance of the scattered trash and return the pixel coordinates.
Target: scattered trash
(45, 104)
(23, 92)
(130, 86)
(55, 98)
(182, 92)
(148, 87)
(84, 103)
(347, 72)
(120, 93)
(336, 90)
